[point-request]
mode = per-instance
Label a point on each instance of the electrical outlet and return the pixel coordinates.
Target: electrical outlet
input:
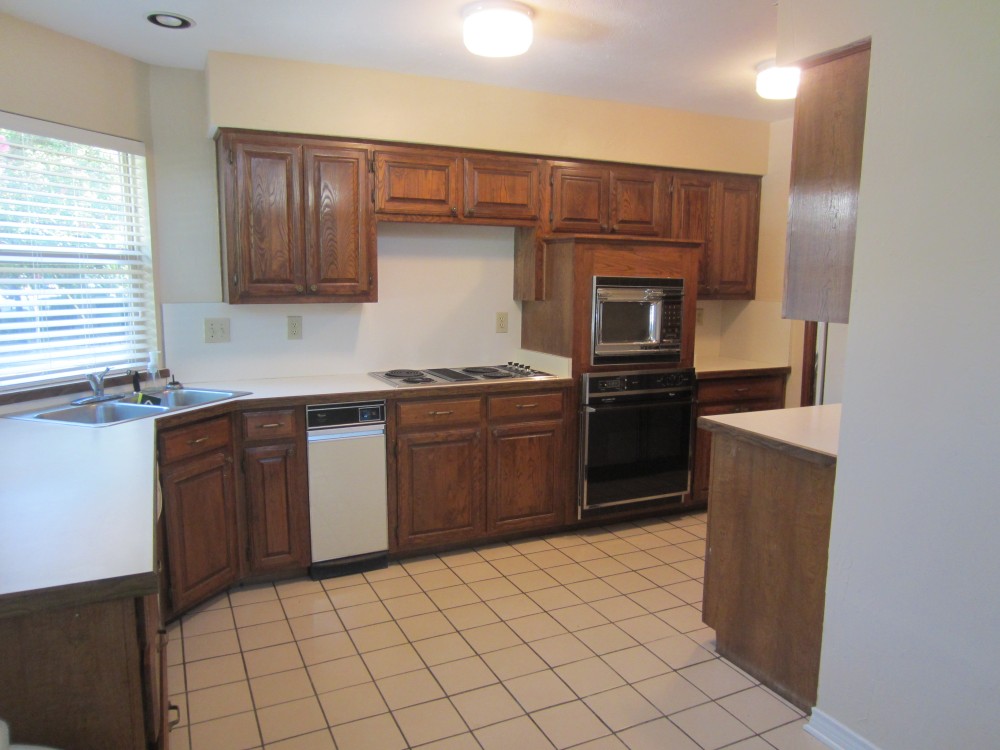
(216, 330)
(294, 327)
(502, 322)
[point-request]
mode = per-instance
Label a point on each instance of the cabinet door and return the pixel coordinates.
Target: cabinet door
(692, 220)
(339, 241)
(502, 188)
(579, 199)
(734, 249)
(525, 475)
(637, 204)
(417, 183)
(266, 259)
(440, 493)
(200, 509)
(277, 508)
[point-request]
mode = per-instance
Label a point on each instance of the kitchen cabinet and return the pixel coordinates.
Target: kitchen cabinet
(472, 468)
(588, 199)
(719, 393)
(87, 677)
(827, 144)
(723, 213)
(412, 182)
(506, 188)
(439, 471)
(526, 466)
(275, 492)
(199, 507)
(297, 221)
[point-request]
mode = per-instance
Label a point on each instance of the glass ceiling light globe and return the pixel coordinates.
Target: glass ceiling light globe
(777, 83)
(497, 29)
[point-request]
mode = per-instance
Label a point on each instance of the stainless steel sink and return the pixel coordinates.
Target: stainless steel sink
(107, 412)
(182, 397)
(124, 409)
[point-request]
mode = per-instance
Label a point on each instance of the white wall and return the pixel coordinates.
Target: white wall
(911, 659)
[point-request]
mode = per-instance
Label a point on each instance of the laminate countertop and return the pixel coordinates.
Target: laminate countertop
(808, 432)
(718, 367)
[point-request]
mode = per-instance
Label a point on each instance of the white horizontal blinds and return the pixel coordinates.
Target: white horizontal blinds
(76, 282)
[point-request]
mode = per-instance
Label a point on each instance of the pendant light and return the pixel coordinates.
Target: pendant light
(497, 28)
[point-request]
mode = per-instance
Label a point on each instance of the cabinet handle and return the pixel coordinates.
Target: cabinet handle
(525, 406)
(439, 413)
(299, 288)
(199, 441)
(272, 425)
(174, 722)
(312, 287)
(741, 390)
(454, 211)
(741, 409)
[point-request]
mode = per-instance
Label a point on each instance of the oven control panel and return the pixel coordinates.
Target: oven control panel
(636, 383)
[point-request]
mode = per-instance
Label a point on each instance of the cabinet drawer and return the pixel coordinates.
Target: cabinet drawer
(265, 425)
(437, 413)
(734, 407)
(194, 439)
(741, 389)
(526, 406)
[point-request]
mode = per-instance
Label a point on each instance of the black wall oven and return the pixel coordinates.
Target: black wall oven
(635, 439)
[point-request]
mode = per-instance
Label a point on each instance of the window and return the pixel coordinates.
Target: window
(76, 273)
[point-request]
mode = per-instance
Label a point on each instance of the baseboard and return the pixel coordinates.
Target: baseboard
(345, 566)
(833, 734)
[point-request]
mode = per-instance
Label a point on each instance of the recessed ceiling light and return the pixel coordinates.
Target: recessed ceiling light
(169, 21)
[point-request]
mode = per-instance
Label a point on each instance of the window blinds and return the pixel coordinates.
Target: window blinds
(76, 281)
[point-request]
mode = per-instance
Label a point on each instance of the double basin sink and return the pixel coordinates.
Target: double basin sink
(124, 409)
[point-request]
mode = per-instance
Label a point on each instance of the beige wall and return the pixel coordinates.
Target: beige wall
(57, 78)
(268, 94)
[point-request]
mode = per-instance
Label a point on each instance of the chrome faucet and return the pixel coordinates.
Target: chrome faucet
(97, 382)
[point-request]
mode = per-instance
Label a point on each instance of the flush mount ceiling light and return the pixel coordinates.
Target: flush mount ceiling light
(775, 82)
(497, 29)
(169, 21)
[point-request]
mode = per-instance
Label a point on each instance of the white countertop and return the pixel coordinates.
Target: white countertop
(806, 430)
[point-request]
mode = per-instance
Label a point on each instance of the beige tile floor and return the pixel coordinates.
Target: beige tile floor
(590, 640)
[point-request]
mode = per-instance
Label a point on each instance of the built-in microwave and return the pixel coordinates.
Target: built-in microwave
(637, 320)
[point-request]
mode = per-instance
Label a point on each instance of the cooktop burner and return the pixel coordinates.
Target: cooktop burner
(403, 378)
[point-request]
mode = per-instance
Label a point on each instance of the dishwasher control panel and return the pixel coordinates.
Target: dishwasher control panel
(321, 416)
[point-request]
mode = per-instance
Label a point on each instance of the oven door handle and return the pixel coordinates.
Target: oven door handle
(581, 501)
(681, 399)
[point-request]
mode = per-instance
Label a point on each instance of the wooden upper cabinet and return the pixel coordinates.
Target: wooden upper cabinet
(413, 182)
(340, 240)
(638, 204)
(502, 188)
(579, 198)
(297, 221)
(267, 206)
(827, 142)
(721, 211)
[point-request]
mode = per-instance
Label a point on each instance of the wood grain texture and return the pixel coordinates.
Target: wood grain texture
(766, 560)
(277, 502)
(579, 198)
(637, 201)
(525, 476)
(502, 188)
(827, 143)
(72, 678)
(417, 182)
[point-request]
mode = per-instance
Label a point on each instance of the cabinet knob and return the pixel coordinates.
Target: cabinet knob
(454, 211)
(312, 287)
(299, 288)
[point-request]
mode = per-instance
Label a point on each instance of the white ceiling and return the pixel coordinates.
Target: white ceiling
(696, 55)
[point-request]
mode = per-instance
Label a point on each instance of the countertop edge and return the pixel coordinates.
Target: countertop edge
(801, 432)
(77, 594)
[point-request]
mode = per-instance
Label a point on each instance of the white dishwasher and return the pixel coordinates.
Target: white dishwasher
(348, 511)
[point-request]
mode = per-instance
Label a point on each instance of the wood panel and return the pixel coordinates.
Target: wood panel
(277, 507)
(184, 442)
(637, 203)
(71, 678)
(734, 249)
(766, 560)
(436, 413)
(502, 188)
(419, 183)
(525, 475)
(827, 144)
(579, 199)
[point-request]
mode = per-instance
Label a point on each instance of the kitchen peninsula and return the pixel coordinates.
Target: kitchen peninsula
(770, 501)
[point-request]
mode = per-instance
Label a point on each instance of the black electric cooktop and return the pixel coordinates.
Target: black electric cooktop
(403, 378)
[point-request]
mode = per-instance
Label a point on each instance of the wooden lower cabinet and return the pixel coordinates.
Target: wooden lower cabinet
(440, 486)
(275, 492)
(221, 528)
(721, 393)
(88, 677)
(455, 486)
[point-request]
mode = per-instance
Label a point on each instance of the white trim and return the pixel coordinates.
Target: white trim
(23, 124)
(833, 734)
